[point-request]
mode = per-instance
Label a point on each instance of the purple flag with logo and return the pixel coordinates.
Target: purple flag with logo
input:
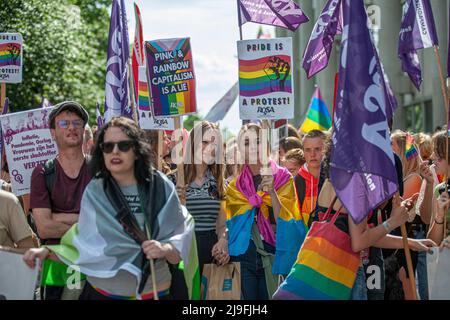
(280, 13)
(320, 44)
(117, 86)
(362, 162)
(417, 31)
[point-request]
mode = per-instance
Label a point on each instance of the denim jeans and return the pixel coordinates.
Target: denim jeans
(359, 290)
(253, 280)
(421, 270)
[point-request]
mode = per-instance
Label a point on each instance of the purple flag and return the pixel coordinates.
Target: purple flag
(320, 44)
(417, 31)
(117, 86)
(362, 162)
(280, 13)
(100, 119)
(6, 106)
(221, 108)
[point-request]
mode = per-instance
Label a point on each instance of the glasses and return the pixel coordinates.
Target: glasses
(64, 124)
(124, 146)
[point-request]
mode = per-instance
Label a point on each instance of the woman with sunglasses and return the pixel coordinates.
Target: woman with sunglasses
(123, 207)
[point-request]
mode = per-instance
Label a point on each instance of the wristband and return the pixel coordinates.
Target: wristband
(438, 222)
(387, 226)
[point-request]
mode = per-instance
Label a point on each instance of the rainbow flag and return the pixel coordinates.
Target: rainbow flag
(318, 117)
(171, 76)
(325, 268)
(143, 97)
(260, 76)
(7, 57)
(410, 148)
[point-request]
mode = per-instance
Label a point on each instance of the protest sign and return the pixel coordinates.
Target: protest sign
(171, 78)
(146, 119)
(266, 88)
(27, 143)
(11, 57)
(17, 280)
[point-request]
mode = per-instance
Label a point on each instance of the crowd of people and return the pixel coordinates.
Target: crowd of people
(115, 204)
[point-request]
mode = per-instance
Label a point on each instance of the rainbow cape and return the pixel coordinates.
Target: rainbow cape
(243, 203)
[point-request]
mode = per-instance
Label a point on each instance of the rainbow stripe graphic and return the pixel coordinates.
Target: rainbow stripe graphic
(318, 117)
(144, 99)
(410, 148)
(325, 268)
(265, 75)
(171, 104)
(7, 58)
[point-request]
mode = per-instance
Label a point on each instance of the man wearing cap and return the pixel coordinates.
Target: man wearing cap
(57, 187)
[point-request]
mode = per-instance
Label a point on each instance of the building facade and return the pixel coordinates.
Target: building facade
(417, 111)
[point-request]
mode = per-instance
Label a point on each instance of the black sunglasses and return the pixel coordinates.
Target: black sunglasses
(124, 146)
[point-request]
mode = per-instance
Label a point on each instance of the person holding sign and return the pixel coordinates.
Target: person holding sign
(253, 216)
(57, 187)
(130, 217)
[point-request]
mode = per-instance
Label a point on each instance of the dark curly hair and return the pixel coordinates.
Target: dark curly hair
(143, 163)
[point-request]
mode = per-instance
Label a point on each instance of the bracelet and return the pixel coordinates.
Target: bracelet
(387, 226)
(438, 222)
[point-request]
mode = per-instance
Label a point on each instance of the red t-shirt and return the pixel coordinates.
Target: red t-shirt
(66, 193)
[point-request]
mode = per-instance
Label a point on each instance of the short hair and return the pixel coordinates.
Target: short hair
(290, 143)
(425, 144)
(293, 132)
(295, 154)
(315, 134)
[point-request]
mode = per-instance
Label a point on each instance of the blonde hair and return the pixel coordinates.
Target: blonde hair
(408, 166)
(425, 144)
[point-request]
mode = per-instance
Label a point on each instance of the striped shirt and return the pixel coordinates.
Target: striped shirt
(203, 203)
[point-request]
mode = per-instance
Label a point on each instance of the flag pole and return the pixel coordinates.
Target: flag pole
(180, 167)
(239, 19)
(2, 95)
(412, 279)
(160, 149)
(441, 77)
(152, 267)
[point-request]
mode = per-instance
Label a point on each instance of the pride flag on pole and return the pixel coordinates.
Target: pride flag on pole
(318, 117)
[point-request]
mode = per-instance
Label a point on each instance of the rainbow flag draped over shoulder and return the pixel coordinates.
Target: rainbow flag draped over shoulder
(318, 116)
(243, 203)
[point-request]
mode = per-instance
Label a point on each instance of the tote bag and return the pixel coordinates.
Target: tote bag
(221, 282)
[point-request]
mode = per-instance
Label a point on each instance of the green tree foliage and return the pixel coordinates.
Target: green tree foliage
(64, 52)
(189, 122)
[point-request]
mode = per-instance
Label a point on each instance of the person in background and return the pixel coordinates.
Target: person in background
(88, 140)
(287, 144)
(423, 141)
(294, 160)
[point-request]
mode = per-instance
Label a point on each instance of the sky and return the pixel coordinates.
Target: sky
(212, 26)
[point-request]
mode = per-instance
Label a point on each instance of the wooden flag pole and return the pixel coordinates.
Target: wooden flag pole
(180, 167)
(152, 267)
(160, 156)
(441, 77)
(412, 279)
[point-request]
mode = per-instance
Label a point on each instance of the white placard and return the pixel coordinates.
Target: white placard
(266, 86)
(438, 269)
(146, 119)
(28, 143)
(17, 280)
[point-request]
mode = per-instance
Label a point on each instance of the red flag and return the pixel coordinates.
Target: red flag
(137, 58)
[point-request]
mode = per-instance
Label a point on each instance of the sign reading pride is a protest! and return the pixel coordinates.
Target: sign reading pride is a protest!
(146, 119)
(171, 78)
(11, 57)
(266, 88)
(28, 143)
